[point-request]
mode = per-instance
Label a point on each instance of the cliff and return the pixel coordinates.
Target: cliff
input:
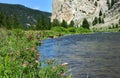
(77, 10)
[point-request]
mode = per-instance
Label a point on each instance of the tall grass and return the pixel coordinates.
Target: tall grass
(19, 57)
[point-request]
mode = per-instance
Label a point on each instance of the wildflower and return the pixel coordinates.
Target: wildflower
(54, 68)
(26, 48)
(36, 61)
(33, 49)
(63, 74)
(24, 64)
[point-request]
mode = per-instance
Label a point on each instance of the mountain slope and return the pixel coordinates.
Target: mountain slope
(25, 15)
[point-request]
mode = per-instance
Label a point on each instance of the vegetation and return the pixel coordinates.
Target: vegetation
(85, 24)
(95, 21)
(96, 3)
(64, 24)
(71, 23)
(19, 57)
(25, 15)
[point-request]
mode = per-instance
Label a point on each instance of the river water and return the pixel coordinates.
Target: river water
(89, 55)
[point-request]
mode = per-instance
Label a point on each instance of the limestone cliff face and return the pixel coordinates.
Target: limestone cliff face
(77, 10)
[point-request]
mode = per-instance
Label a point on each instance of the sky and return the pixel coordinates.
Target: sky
(42, 5)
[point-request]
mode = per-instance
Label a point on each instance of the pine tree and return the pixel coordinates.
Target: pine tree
(95, 21)
(71, 23)
(16, 22)
(112, 3)
(64, 24)
(100, 13)
(55, 23)
(100, 20)
(85, 24)
(95, 3)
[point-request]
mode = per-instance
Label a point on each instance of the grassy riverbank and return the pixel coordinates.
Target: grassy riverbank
(19, 57)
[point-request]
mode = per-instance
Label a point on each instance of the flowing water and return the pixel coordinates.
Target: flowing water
(89, 55)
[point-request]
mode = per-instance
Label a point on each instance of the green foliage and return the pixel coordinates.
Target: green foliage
(59, 29)
(82, 30)
(23, 14)
(9, 22)
(100, 14)
(85, 24)
(95, 21)
(112, 3)
(100, 20)
(72, 29)
(43, 24)
(64, 24)
(55, 23)
(71, 23)
(19, 57)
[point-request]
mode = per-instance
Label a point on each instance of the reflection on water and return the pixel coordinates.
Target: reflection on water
(91, 55)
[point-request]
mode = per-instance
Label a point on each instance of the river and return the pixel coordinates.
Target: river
(89, 55)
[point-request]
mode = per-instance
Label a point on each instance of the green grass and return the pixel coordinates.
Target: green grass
(56, 31)
(19, 57)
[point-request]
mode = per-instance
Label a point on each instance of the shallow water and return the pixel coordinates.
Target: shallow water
(89, 55)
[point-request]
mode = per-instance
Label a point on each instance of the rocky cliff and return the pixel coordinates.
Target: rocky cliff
(77, 10)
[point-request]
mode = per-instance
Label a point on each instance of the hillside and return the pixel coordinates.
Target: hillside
(25, 15)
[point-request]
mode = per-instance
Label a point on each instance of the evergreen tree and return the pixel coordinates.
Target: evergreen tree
(48, 24)
(112, 3)
(100, 14)
(95, 3)
(39, 24)
(16, 22)
(71, 23)
(55, 23)
(1, 19)
(85, 24)
(100, 20)
(64, 24)
(95, 21)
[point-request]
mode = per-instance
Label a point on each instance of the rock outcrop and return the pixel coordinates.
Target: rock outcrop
(77, 10)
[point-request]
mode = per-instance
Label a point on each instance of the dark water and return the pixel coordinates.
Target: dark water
(89, 56)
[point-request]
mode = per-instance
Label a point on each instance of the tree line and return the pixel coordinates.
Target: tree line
(9, 22)
(12, 22)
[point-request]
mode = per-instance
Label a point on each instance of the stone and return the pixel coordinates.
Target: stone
(77, 10)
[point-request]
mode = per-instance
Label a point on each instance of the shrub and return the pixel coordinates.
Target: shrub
(82, 30)
(72, 29)
(85, 24)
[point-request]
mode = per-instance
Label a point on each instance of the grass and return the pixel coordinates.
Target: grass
(19, 57)
(58, 31)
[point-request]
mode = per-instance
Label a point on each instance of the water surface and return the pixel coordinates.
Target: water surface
(89, 55)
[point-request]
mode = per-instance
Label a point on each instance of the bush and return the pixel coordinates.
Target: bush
(72, 29)
(58, 29)
(82, 30)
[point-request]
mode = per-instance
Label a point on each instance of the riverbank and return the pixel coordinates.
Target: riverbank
(19, 57)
